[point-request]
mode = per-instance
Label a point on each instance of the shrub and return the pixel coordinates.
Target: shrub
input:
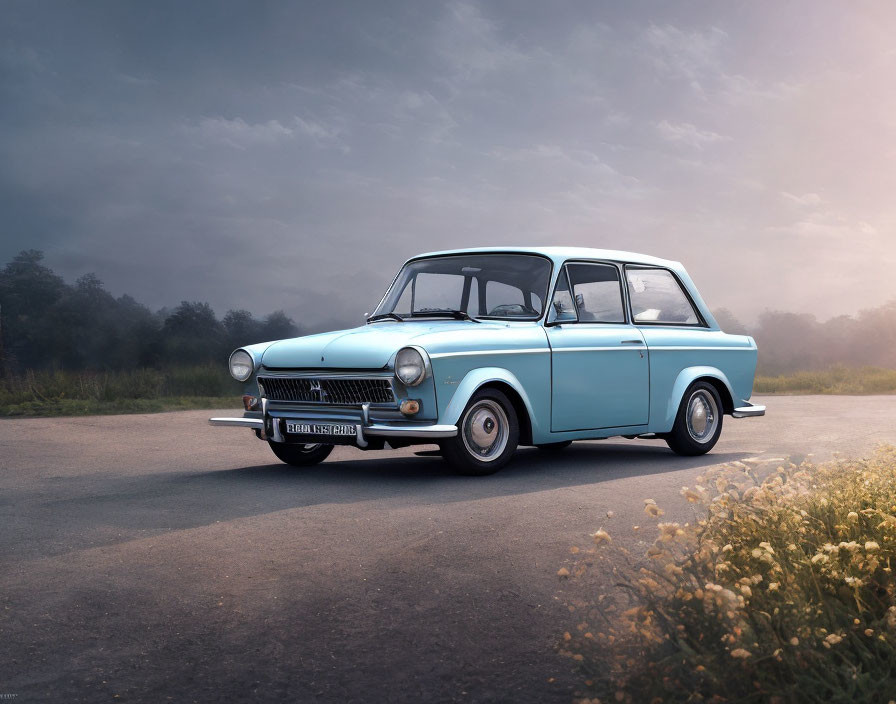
(835, 380)
(47, 387)
(783, 591)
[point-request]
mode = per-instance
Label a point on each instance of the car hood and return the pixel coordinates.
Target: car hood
(369, 346)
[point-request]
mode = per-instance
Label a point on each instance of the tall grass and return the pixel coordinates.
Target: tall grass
(53, 392)
(835, 380)
(782, 591)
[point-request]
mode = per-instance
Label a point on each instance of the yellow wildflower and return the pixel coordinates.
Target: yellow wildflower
(601, 537)
(653, 510)
(669, 531)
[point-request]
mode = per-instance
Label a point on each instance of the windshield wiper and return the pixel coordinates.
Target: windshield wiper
(385, 316)
(453, 312)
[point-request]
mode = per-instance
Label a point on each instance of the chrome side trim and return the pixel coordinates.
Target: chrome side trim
(254, 423)
(748, 411)
(687, 348)
(468, 353)
(603, 349)
(424, 431)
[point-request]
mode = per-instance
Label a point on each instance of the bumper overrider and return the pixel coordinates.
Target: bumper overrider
(748, 410)
(271, 425)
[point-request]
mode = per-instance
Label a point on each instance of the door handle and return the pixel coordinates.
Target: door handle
(632, 342)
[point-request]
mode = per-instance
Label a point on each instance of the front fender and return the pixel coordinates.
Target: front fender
(474, 380)
(685, 378)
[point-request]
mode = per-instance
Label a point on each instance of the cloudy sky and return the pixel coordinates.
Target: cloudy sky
(268, 155)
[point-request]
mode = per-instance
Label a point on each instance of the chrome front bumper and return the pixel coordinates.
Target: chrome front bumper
(362, 430)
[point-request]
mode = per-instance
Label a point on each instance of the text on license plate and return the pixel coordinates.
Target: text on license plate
(319, 429)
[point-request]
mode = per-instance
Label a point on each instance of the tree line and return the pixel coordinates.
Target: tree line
(791, 342)
(46, 323)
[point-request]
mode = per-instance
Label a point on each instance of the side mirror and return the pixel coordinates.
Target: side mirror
(558, 315)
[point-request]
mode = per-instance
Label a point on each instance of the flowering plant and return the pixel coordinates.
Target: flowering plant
(782, 591)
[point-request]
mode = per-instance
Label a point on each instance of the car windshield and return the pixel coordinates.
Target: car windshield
(503, 286)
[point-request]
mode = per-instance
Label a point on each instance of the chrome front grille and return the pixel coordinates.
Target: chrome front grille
(375, 390)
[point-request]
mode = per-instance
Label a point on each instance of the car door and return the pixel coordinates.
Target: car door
(599, 364)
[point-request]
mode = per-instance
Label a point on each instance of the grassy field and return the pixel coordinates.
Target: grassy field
(62, 393)
(836, 380)
(140, 391)
(781, 590)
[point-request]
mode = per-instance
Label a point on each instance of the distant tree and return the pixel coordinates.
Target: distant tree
(726, 320)
(28, 291)
(192, 334)
(241, 328)
(788, 341)
(278, 326)
(141, 344)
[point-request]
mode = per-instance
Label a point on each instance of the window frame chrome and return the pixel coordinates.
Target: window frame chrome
(620, 271)
(701, 320)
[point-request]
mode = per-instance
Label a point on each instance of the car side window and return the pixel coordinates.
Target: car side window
(596, 292)
(657, 297)
(562, 309)
(505, 300)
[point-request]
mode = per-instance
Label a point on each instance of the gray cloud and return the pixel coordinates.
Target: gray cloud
(269, 155)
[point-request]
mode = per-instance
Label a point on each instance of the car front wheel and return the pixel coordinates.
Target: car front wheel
(300, 455)
(487, 435)
(699, 421)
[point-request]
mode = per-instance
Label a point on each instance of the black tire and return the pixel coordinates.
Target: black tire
(700, 435)
(300, 455)
(555, 446)
(488, 413)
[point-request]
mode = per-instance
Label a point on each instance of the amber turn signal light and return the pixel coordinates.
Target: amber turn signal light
(410, 406)
(250, 403)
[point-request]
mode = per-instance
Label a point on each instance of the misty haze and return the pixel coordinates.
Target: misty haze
(273, 157)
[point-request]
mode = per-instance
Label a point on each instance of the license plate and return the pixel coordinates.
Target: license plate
(319, 429)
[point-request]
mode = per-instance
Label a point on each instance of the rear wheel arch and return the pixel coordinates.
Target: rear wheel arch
(724, 392)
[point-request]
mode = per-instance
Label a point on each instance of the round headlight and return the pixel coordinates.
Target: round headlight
(241, 365)
(410, 367)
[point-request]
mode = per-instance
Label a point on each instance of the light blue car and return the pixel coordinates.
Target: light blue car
(482, 350)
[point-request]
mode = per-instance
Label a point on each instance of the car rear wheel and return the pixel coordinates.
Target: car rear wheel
(300, 455)
(699, 421)
(487, 435)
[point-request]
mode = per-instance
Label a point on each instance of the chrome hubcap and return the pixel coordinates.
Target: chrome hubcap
(702, 416)
(485, 430)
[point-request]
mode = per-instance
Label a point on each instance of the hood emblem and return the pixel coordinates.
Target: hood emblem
(317, 391)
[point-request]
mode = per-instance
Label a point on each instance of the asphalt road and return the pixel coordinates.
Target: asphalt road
(154, 558)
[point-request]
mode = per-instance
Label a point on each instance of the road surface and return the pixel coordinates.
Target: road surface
(154, 558)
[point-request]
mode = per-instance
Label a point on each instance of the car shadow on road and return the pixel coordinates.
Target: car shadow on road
(429, 478)
(89, 513)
